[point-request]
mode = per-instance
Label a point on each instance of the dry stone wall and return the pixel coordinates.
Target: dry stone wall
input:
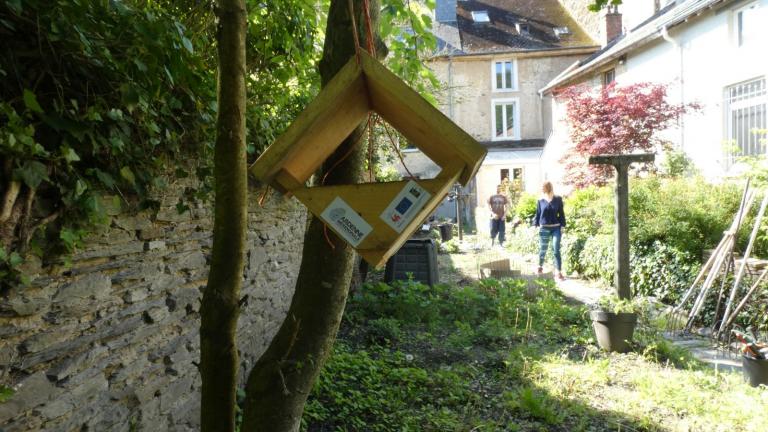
(109, 341)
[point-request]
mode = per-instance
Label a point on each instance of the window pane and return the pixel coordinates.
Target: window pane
(747, 116)
(508, 75)
(499, 116)
(499, 76)
(510, 111)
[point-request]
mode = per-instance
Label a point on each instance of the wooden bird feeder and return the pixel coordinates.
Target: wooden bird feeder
(375, 218)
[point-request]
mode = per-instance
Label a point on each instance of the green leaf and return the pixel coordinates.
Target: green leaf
(80, 187)
(32, 173)
(187, 44)
(105, 179)
(127, 174)
(15, 259)
(69, 154)
(14, 5)
(30, 100)
(69, 237)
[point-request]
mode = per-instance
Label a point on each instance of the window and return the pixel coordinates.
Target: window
(480, 16)
(609, 77)
(504, 174)
(748, 25)
(505, 119)
(745, 112)
(505, 75)
(517, 174)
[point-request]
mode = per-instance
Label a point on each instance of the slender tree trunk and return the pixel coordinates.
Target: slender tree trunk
(219, 309)
(282, 378)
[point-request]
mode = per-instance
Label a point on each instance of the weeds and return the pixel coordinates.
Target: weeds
(501, 356)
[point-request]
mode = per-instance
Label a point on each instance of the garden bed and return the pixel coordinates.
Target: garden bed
(493, 356)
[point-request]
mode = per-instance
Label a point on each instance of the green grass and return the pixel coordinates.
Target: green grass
(500, 356)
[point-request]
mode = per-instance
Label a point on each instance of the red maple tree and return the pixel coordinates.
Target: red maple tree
(614, 120)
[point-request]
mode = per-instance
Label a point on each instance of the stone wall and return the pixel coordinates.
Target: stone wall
(109, 341)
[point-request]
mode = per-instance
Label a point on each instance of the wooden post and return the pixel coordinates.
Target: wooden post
(621, 214)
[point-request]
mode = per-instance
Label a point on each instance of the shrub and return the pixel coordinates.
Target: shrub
(589, 211)
(597, 258)
(662, 271)
(526, 207)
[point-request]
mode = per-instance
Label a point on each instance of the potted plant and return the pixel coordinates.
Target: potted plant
(614, 322)
(754, 358)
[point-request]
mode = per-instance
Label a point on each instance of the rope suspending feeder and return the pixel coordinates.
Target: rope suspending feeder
(374, 218)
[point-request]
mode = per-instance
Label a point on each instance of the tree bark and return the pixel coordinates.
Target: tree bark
(219, 308)
(281, 380)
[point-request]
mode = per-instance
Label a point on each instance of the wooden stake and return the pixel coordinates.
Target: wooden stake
(740, 274)
(743, 302)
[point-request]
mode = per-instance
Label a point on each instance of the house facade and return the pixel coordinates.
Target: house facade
(710, 52)
(493, 58)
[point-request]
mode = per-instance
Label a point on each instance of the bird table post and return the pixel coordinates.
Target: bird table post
(621, 212)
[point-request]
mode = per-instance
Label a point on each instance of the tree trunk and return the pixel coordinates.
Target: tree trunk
(282, 378)
(219, 309)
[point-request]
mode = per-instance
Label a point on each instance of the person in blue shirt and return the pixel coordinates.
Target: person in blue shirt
(550, 218)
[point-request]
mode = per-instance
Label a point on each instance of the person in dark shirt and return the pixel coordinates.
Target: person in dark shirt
(498, 204)
(550, 218)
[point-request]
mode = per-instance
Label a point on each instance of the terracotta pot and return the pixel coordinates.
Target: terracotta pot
(614, 331)
(755, 370)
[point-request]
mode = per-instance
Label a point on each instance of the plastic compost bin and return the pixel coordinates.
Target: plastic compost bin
(417, 260)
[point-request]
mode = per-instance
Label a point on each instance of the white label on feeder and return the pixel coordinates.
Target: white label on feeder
(405, 206)
(346, 222)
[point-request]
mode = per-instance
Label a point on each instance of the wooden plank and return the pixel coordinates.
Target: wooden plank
(429, 129)
(447, 178)
(285, 182)
(336, 110)
(370, 200)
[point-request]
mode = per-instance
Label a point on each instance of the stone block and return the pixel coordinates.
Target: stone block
(35, 390)
(186, 261)
(175, 392)
(165, 282)
(21, 305)
(154, 245)
(151, 233)
(155, 315)
(64, 368)
(139, 221)
(91, 286)
(171, 214)
(135, 295)
(56, 408)
(112, 251)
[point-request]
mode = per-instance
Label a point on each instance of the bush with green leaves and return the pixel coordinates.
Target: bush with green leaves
(661, 271)
(114, 97)
(526, 207)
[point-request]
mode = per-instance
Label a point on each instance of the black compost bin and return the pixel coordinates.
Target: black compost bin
(416, 259)
(446, 232)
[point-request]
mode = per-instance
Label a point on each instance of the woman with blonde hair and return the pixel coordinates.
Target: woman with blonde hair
(550, 218)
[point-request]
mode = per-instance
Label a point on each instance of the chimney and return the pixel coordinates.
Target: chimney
(612, 25)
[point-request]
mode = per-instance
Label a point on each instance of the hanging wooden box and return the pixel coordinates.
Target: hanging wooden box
(345, 102)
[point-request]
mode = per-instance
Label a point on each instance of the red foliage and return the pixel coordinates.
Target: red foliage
(614, 120)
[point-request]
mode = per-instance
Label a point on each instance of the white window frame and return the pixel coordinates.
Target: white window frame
(503, 79)
(736, 28)
(515, 118)
(740, 103)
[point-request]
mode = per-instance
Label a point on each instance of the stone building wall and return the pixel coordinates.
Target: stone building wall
(109, 341)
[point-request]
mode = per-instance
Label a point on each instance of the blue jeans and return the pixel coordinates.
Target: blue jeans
(498, 227)
(545, 234)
